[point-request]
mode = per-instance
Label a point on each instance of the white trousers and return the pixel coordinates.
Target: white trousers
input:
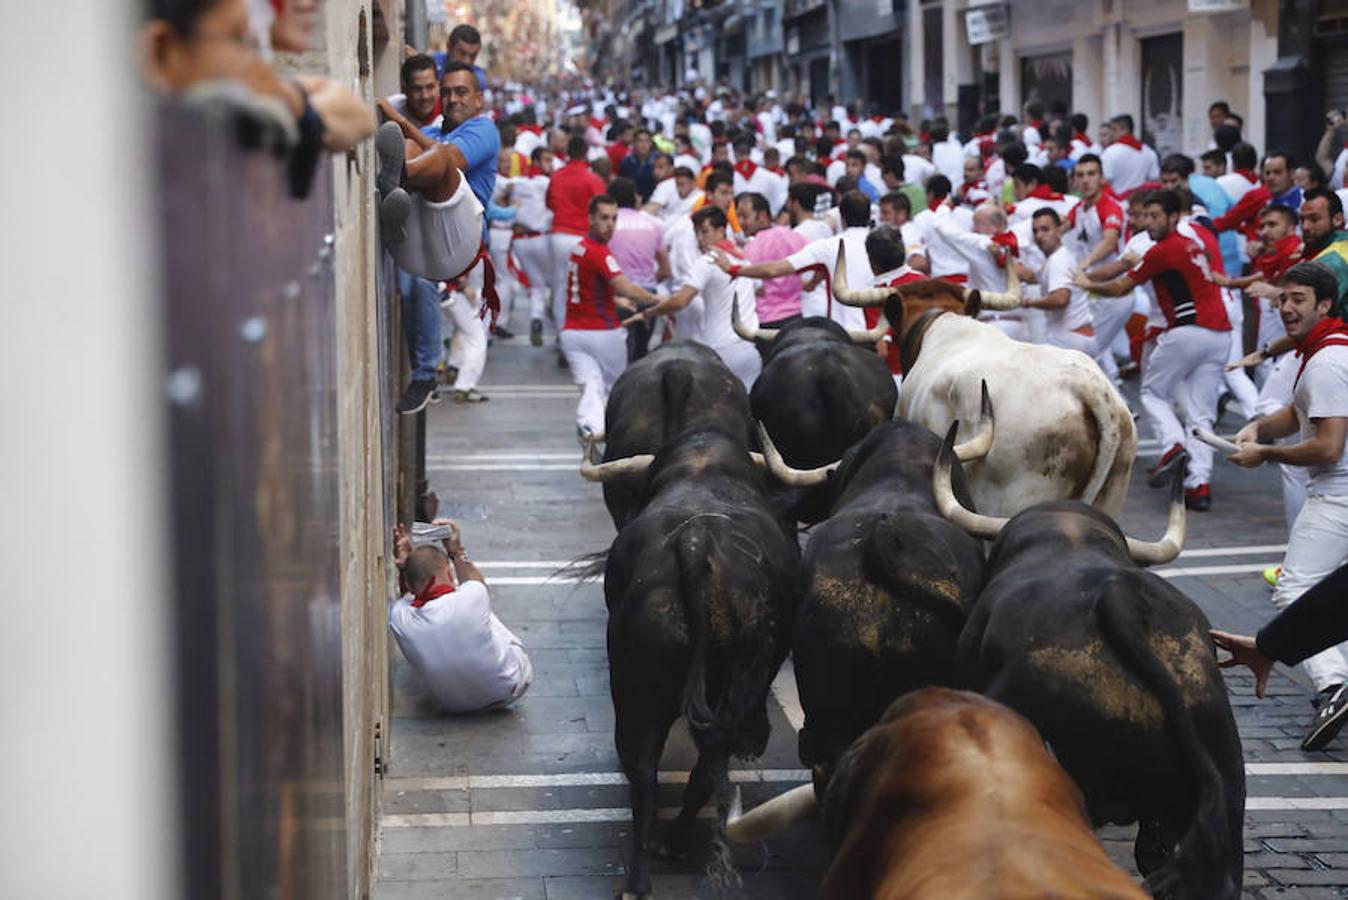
(1273, 396)
(442, 238)
(1071, 340)
(1185, 368)
(1237, 381)
(1317, 545)
(468, 346)
(498, 245)
(535, 258)
(742, 358)
(560, 245)
(1110, 315)
(596, 358)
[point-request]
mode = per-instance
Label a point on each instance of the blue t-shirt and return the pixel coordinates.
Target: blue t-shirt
(441, 57)
(480, 143)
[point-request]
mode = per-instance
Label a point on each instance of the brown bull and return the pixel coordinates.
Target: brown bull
(951, 795)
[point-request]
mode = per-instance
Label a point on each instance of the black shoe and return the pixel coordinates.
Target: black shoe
(502, 333)
(1329, 718)
(536, 332)
(1159, 475)
(451, 374)
(561, 360)
(394, 211)
(391, 149)
(418, 396)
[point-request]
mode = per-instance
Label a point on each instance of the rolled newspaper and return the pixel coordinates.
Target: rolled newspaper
(1212, 440)
(425, 533)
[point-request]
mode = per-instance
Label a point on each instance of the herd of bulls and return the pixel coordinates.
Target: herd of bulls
(896, 599)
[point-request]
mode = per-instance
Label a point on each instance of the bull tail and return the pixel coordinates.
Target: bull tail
(1208, 860)
(693, 550)
(676, 386)
(1107, 448)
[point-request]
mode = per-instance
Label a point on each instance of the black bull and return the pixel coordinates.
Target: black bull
(819, 393)
(679, 386)
(889, 585)
(701, 587)
(1115, 668)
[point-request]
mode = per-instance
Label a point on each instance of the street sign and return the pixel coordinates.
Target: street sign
(986, 24)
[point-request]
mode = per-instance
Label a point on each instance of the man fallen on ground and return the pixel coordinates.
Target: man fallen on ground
(444, 626)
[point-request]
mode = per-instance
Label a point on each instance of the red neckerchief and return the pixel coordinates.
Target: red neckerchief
(1037, 124)
(1248, 175)
(1011, 246)
(1328, 332)
(934, 203)
(430, 592)
(534, 171)
(532, 129)
(1279, 258)
(730, 248)
(746, 168)
(1129, 141)
(1078, 136)
(1043, 192)
(776, 170)
(877, 119)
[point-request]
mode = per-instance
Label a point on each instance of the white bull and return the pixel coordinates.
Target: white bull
(1063, 432)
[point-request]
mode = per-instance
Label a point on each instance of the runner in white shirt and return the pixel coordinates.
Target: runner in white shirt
(943, 259)
(531, 247)
(981, 251)
(675, 196)
(822, 256)
(444, 625)
(1033, 194)
(1318, 413)
(1128, 162)
(1095, 232)
(800, 202)
(896, 209)
(1067, 312)
(719, 292)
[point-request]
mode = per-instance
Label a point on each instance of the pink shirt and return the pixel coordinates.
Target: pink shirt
(636, 239)
(781, 296)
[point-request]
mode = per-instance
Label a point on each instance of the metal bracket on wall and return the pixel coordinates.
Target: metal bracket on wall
(380, 769)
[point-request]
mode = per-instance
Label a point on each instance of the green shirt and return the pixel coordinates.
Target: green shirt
(917, 196)
(1335, 256)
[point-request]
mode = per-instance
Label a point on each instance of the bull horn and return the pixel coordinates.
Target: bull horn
(871, 335)
(784, 473)
(759, 459)
(1008, 300)
(631, 465)
(978, 446)
(946, 501)
(861, 297)
(766, 819)
(1151, 553)
(749, 334)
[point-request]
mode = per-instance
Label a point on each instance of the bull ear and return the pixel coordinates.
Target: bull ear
(894, 314)
(973, 303)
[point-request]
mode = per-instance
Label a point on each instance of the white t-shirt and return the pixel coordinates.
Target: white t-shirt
(1235, 185)
(859, 275)
(1126, 168)
(917, 169)
(974, 249)
(944, 259)
(1144, 294)
(718, 291)
(666, 196)
(1322, 393)
(463, 653)
(1057, 274)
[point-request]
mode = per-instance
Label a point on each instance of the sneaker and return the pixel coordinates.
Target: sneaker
(470, 396)
(1329, 718)
(536, 332)
(394, 210)
(1159, 474)
(502, 333)
(418, 396)
(391, 148)
(1198, 499)
(1272, 574)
